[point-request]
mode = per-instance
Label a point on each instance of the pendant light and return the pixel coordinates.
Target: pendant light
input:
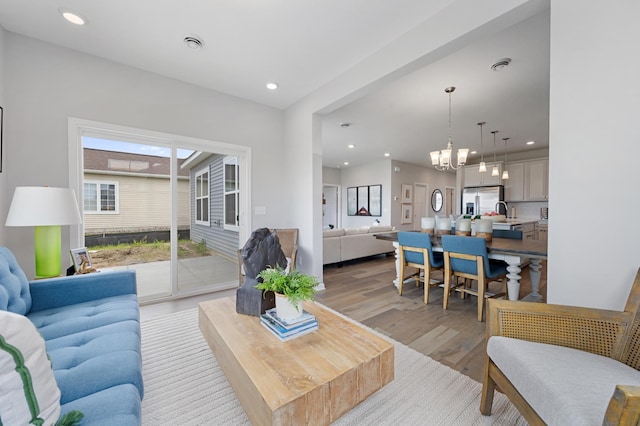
(442, 160)
(505, 172)
(495, 171)
(483, 166)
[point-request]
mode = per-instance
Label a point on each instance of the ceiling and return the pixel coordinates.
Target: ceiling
(304, 45)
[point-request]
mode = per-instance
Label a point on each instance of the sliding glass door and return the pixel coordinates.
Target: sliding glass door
(163, 209)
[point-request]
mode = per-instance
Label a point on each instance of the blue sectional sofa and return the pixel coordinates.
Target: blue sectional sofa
(91, 329)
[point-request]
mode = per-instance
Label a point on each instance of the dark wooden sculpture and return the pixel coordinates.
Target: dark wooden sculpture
(261, 250)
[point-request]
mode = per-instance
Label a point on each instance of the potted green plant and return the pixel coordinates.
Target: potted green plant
(291, 289)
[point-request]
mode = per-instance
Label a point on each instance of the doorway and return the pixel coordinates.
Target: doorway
(420, 205)
(160, 206)
(330, 206)
(449, 200)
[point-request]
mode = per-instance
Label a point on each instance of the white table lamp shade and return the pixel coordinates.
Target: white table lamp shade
(43, 206)
(46, 209)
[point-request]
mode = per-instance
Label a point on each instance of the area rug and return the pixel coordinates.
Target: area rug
(184, 385)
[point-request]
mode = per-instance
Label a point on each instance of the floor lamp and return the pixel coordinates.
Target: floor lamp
(46, 208)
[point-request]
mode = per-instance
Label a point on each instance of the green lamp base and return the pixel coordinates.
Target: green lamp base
(48, 241)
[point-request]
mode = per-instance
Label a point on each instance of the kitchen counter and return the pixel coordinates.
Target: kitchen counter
(509, 223)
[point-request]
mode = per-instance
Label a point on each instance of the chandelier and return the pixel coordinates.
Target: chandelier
(441, 160)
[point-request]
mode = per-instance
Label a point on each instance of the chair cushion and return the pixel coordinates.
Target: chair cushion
(563, 385)
(15, 295)
(28, 389)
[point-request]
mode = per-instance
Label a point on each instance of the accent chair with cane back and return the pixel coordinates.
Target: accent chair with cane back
(466, 257)
(288, 238)
(415, 250)
(565, 364)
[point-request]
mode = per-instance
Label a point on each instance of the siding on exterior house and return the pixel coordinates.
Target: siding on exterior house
(223, 241)
(143, 192)
(144, 204)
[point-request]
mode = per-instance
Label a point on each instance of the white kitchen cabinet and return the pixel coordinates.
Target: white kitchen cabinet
(528, 229)
(472, 177)
(528, 181)
(536, 176)
(541, 232)
(514, 186)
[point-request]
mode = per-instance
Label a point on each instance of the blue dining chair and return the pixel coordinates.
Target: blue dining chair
(414, 250)
(466, 257)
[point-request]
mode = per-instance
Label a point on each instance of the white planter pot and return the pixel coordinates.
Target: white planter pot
(285, 309)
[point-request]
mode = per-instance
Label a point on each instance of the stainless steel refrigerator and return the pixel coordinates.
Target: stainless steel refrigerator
(482, 199)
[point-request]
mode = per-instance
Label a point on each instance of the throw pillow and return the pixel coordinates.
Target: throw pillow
(29, 393)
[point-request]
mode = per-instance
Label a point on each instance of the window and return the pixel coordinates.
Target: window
(101, 197)
(202, 197)
(231, 192)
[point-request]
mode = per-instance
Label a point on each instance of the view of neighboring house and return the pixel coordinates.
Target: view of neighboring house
(129, 193)
(214, 193)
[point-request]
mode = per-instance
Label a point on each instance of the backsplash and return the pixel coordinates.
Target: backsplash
(529, 209)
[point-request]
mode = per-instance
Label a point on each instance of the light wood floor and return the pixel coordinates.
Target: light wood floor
(363, 290)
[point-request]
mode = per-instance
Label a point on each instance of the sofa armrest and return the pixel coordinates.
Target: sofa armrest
(624, 407)
(62, 291)
(597, 331)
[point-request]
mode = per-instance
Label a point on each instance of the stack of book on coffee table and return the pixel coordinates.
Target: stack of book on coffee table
(288, 329)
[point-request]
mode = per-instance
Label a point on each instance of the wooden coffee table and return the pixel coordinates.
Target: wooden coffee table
(312, 379)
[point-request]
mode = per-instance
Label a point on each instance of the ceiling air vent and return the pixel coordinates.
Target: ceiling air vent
(193, 42)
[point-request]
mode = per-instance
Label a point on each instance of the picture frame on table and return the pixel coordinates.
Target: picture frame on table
(78, 255)
(407, 214)
(407, 193)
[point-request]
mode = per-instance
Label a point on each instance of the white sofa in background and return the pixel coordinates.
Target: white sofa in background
(339, 245)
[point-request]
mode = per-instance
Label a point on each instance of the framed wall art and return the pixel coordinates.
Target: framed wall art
(407, 193)
(364, 200)
(407, 214)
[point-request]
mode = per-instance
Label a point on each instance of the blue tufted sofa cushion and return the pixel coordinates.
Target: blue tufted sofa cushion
(91, 328)
(14, 289)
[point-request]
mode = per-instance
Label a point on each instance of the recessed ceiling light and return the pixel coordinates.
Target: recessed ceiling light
(272, 86)
(346, 163)
(73, 17)
(351, 146)
(193, 42)
(473, 152)
(386, 154)
(531, 142)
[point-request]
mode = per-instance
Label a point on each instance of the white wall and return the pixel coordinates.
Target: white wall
(594, 150)
(412, 174)
(46, 84)
(378, 173)
(3, 175)
(452, 28)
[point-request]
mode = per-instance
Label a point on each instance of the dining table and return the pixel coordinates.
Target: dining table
(513, 252)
